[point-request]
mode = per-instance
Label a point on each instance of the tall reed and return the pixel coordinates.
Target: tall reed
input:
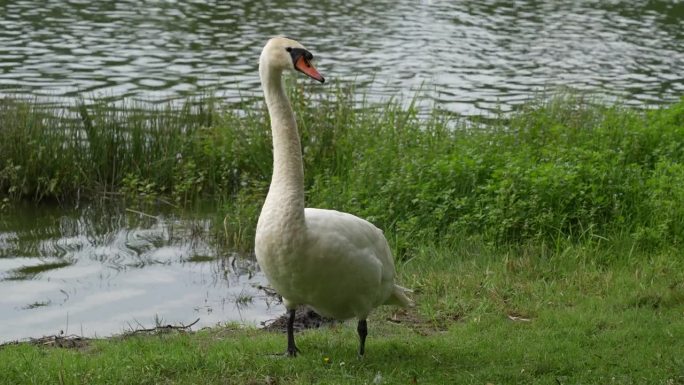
(559, 169)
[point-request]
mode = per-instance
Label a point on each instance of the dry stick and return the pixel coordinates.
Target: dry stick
(61, 340)
(165, 327)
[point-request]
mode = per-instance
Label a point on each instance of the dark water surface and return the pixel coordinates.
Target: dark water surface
(100, 271)
(469, 56)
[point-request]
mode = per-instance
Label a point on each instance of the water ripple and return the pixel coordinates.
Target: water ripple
(104, 268)
(471, 55)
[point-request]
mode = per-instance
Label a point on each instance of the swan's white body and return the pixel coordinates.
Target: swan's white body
(337, 263)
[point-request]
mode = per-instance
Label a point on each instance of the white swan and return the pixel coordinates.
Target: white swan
(338, 264)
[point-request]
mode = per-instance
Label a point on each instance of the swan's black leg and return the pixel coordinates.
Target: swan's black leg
(291, 347)
(363, 332)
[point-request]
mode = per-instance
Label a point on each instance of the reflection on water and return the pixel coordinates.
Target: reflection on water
(98, 271)
(469, 56)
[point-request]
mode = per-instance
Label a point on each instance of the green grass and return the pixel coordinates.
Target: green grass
(583, 316)
(544, 247)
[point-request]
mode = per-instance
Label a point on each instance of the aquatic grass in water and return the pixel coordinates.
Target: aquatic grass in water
(560, 169)
(63, 153)
(28, 272)
(201, 258)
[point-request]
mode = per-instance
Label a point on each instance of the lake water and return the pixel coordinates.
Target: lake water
(102, 271)
(98, 271)
(468, 56)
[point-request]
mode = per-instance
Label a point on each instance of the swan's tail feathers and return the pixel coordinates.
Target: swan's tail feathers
(399, 297)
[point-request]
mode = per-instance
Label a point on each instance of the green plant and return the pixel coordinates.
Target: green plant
(560, 169)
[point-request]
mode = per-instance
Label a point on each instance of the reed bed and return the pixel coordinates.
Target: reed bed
(559, 169)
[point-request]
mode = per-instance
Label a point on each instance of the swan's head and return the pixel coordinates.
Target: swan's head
(281, 54)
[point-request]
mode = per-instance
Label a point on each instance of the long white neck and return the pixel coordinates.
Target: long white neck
(285, 200)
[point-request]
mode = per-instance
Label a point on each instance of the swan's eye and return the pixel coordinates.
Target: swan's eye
(288, 49)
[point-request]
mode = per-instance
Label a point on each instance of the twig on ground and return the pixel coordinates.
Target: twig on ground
(162, 328)
(58, 341)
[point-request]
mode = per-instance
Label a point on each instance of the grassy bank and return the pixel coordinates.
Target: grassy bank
(485, 315)
(544, 247)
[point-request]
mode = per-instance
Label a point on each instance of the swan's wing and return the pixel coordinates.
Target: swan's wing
(342, 231)
(351, 256)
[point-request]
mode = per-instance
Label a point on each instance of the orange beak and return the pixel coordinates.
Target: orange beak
(302, 65)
